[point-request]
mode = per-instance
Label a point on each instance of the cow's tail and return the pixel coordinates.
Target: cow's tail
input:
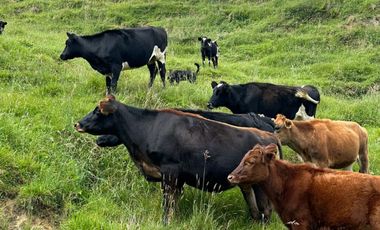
(301, 93)
(363, 152)
(197, 65)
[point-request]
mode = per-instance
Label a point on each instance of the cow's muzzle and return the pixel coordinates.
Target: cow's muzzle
(78, 128)
(232, 179)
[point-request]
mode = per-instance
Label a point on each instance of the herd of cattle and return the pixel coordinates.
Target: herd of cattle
(215, 151)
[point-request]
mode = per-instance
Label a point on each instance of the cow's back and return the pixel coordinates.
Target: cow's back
(333, 197)
(200, 145)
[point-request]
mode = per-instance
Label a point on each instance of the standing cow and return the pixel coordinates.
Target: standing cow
(175, 148)
(209, 49)
(266, 98)
(112, 51)
(324, 142)
(251, 120)
(306, 197)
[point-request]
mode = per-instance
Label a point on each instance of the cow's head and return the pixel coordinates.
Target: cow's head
(72, 47)
(2, 26)
(253, 168)
(220, 94)
(205, 42)
(282, 128)
(100, 121)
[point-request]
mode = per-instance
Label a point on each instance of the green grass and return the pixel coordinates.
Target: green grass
(51, 170)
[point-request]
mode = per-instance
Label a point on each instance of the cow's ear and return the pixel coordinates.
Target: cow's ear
(199, 38)
(288, 124)
(107, 106)
(214, 84)
(269, 156)
(223, 82)
(70, 35)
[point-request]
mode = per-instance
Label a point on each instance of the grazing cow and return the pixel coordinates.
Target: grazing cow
(183, 75)
(307, 197)
(2, 26)
(243, 120)
(327, 143)
(265, 98)
(175, 148)
(209, 49)
(112, 51)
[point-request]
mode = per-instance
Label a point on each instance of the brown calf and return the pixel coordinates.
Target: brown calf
(307, 197)
(326, 143)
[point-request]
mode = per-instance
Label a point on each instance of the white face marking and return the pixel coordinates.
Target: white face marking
(158, 54)
(125, 66)
(302, 115)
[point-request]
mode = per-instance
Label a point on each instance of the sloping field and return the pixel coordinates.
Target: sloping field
(55, 177)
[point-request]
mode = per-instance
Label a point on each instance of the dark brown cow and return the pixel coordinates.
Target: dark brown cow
(327, 143)
(177, 148)
(307, 197)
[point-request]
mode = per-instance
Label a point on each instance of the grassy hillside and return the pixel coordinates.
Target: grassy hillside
(50, 175)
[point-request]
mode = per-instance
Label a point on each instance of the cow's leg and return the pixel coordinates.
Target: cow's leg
(116, 69)
(153, 71)
(249, 196)
(263, 203)
(108, 83)
(172, 190)
(162, 68)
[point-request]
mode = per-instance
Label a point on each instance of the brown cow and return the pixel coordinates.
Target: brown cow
(307, 197)
(326, 143)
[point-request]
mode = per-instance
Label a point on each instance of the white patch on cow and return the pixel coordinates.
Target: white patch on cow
(158, 54)
(302, 115)
(125, 66)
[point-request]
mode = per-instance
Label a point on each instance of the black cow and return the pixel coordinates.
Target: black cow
(112, 51)
(2, 26)
(266, 98)
(175, 148)
(209, 49)
(243, 120)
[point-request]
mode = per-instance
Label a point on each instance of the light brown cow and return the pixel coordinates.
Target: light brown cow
(326, 143)
(308, 197)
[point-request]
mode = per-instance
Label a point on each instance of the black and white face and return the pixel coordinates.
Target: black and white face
(72, 47)
(2, 26)
(205, 42)
(220, 94)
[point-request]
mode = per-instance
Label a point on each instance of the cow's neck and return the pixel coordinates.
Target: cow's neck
(133, 125)
(275, 186)
(234, 102)
(298, 140)
(89, 53)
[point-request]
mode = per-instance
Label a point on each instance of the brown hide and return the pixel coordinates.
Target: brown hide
(306, 197)
(326, 143)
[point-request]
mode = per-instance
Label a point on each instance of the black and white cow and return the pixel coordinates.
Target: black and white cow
(209, 49)
(265, 98)
(112, 51)
(2, 26)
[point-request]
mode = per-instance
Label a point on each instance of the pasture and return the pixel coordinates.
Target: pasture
(52, 176)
